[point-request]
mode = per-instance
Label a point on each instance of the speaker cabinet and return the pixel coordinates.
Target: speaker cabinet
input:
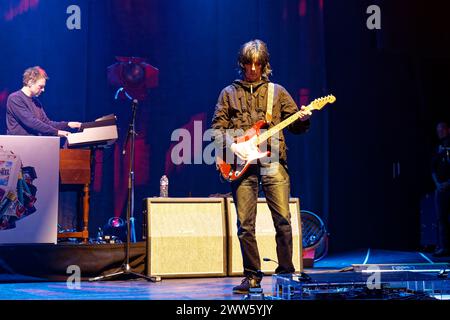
(186, 237)
(265, 237)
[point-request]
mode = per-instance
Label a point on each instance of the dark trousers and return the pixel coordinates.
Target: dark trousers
(276, 186)
(443, 213)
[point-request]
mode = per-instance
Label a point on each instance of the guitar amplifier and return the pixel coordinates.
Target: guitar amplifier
(265, 237)
(185, 237)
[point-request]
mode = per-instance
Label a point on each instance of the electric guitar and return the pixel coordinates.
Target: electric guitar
(253, 138)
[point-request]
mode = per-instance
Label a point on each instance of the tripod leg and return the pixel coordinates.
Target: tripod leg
(151, 278)
(126, 272)
(99, 278)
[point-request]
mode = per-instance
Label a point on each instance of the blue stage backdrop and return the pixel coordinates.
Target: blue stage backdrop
(194, 45)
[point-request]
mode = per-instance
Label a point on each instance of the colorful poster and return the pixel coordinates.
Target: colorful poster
(29, 185)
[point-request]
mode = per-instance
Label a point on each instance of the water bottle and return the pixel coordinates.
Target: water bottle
(164, 187)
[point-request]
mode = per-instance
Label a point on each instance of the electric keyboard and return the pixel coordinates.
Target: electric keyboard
(101, 132)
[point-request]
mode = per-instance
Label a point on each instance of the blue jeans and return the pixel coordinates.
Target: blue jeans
(276, 186)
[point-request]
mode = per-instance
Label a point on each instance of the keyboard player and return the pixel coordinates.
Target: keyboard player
(25, 114)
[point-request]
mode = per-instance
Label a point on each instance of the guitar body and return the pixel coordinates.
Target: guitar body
(234, 170)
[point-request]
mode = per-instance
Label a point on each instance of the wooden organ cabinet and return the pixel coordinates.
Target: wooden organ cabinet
(75, 169)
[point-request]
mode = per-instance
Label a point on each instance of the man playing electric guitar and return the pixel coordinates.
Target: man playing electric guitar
(240, 106)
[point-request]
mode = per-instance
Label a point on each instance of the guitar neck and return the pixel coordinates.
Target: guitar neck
(266, 135)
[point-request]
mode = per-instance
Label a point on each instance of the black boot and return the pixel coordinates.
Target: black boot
(246, 284)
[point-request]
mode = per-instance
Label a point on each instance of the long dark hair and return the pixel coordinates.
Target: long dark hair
(254, 50)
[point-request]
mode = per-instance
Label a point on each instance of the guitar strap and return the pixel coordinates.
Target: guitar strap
(270, 90)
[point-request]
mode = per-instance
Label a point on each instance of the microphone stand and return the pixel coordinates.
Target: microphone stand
(130, 202)
(130, 208)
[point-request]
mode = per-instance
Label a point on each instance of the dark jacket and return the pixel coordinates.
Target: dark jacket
(440, 165)
(26, 116)
(242, 104)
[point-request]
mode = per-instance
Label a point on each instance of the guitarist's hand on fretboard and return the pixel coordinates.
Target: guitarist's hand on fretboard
(304, 114)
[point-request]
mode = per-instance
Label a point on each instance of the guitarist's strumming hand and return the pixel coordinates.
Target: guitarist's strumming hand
(245, 149)
(304, 114)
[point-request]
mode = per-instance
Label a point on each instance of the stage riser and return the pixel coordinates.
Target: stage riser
(51, 262)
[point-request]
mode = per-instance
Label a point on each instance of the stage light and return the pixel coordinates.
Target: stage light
(116, 222)
(114, 231)
(134, 76)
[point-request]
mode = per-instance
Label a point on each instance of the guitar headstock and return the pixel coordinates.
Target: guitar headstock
(319, 103)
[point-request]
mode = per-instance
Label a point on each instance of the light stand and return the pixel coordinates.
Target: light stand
(126, 270)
